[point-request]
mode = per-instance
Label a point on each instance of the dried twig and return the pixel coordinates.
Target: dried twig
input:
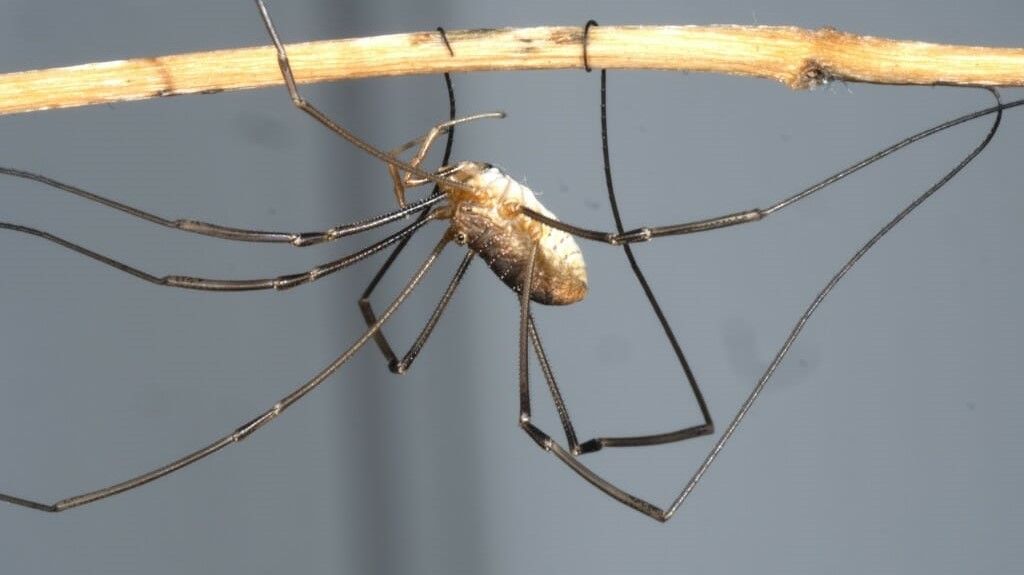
(796, 57)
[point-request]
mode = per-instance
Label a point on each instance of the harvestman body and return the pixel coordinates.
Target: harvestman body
(521, 241)
(489, 219)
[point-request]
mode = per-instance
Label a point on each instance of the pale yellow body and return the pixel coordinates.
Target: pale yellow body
(488, 220)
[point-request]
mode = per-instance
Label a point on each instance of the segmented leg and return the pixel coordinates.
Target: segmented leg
(401, 366)
(298, 239)
(311, 110)
(247, 429)
(197, 283)
(541, 438)
(568, 456)
(401, 183)
(756, 214)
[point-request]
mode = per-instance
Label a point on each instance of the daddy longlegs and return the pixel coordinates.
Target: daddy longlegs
(531, 252)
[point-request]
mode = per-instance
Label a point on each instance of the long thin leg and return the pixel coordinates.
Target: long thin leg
(196, 283)
(708, 426)
(298, 239)
(539, 436)
(645, 507)
(556, 394)
(364, 301)
(247, 429)
(401, 366)
(401, 183)
(294, 238)
(597, 443)
(316, 114)
(648, 233)
(818, 299)
(366, 307)
(563, 414)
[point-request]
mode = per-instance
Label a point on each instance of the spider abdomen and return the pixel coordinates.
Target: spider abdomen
(489, 222)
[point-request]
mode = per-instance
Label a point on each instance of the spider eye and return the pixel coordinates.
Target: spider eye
(461, 238)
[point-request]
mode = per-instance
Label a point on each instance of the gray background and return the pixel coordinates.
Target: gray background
(890, 441)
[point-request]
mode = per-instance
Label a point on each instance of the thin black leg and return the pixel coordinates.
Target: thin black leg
(528, 328)
(207, 284)
(298, 239)
(818, 299)
(574, 446)
(365, 305)
(556, 394)
(541, 438)
(247, 429)
(708, 426)
(401, 366)
(620, 237)
(641, 505)
(364, 300)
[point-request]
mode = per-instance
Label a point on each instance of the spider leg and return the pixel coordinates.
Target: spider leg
(818, 299)
(542, 439)
(319, 116)
(208, 284)
(620, 237)
(400, 184)
(401, 366)
(365, 305)
(298, 239)
(597, 443)
(556, 394)
(247, 429)
(707, 426)
(567, 456)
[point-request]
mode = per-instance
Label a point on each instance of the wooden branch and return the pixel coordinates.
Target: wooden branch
(796, 57)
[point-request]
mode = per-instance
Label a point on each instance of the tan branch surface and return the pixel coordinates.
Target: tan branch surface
(796, 57)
